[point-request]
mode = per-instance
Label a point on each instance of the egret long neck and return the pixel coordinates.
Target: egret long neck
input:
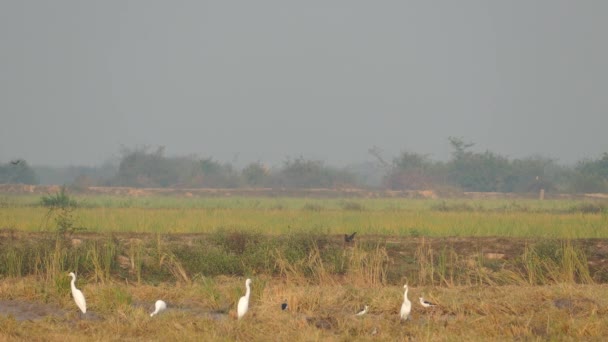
(248, 291)
(72, 283)
(405, 294)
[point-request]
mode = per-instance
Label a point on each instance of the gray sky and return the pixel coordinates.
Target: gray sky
(264, 80)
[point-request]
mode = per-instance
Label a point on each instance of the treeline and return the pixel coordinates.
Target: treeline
(466, 170)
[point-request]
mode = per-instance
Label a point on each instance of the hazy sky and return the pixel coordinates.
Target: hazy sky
(264, 80)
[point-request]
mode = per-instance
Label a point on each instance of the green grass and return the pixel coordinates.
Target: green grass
(274, 216)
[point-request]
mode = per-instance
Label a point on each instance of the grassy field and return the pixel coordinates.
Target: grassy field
(400, 217)
(499, 269)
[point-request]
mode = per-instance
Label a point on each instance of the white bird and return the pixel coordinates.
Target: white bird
(158, 307)
(78, 296)
(362, 312)
(244, 301)
(426, 303)
(406, 307)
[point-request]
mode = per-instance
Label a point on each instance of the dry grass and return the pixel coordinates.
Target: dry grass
(204, 310)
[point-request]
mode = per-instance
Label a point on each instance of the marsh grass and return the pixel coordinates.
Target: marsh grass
(298, 258)
(544, 262)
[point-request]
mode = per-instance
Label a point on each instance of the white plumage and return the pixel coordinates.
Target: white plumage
(362, 312)
(158, 307)
(244, 301)
(78, 296)
(406, 307)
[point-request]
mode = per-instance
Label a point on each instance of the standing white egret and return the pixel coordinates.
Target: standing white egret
(158, 307)
(244, 301)
(78, 296)
(362, 312)
(426, 303)
(406, 307)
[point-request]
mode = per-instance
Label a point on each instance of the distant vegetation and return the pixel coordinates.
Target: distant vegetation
(17, 171)
(467, 170)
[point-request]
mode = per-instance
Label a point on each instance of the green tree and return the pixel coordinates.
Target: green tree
(413, 171)
(477, 171)
(256, 174)
(591, 175)
(141, 168)
(303, 173)
(218, 175)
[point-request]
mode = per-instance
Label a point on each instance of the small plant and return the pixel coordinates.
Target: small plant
(352, 206)
(60, 199)
(312, 207)
(62, 207)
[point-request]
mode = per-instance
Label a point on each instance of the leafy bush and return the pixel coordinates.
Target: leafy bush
(61, 207)
(58, 200)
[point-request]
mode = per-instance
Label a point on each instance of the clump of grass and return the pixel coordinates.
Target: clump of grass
(426, 271)
(352, 206)
(589, 208)
(112, 298)
(136, 258)
(368, 266)
(555, 262)
(312, 207)
(454, 206)
(102, 256)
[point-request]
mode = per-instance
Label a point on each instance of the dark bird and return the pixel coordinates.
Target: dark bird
(284, 306)
(16, 162)
(349, 238)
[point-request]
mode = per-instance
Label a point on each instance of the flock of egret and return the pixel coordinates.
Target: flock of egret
(243, 305)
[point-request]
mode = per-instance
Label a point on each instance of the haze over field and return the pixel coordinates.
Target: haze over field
(265, 80)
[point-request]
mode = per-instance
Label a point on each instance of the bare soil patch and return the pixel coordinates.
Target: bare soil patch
(22, 310)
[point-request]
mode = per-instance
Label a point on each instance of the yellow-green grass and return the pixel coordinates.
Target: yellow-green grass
(204, 311)
(521, 218)
(267, 202)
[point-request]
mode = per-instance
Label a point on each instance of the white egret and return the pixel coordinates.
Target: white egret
(158, 307)
(362, 312)
(426, 303)
(78, 296)
(244, 301)
(406, 307)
